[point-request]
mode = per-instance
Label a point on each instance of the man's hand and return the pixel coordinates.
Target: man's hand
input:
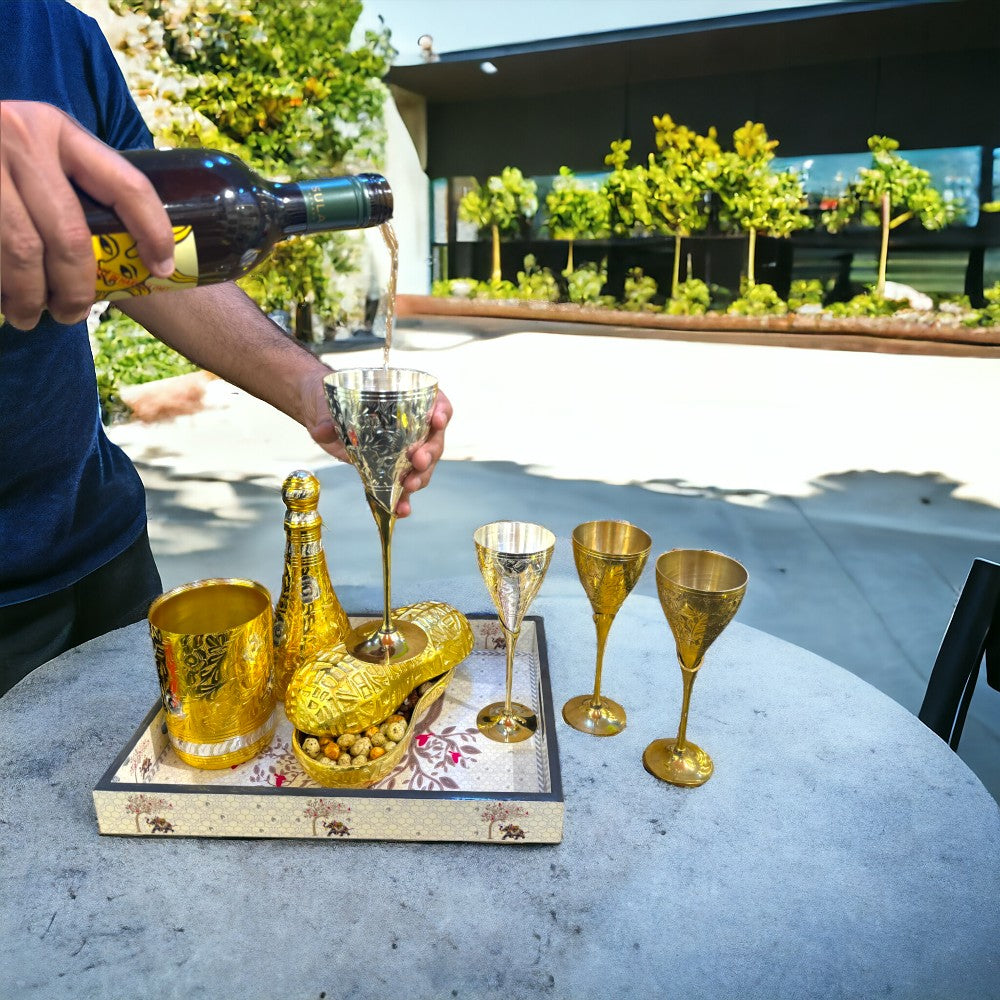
(221, 330)
(423, 458)
(46, 255)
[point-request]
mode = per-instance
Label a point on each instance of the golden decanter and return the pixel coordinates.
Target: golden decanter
(308, 617)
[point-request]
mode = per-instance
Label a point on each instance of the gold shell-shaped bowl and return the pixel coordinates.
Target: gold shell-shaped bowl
(333, 692)
(362, 775)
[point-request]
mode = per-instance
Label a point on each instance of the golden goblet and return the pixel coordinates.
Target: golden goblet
(513, 558)
(382, 414)
(610, 556)
(700, 591)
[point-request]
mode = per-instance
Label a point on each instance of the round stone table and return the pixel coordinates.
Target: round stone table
(840, 850)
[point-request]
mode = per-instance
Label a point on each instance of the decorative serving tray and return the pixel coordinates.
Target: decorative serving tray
(453, 785)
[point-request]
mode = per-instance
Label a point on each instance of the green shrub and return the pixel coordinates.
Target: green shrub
(495, 288)
(536, 283)
(459, 288)
(640, 290)
(805, 292)
(758, 300)
(692, 299)
(989, 315)
(583, 286)
(867, 304)
(125, 354)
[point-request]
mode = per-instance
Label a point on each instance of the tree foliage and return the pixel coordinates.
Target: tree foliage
(907, 187)
(503, 204)
(627, 191)
(278, 85)
(753, 196)
(505, 201)
(888, 193)
(576, 210)
(679, 177)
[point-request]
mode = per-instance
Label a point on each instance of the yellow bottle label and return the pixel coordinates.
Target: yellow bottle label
(121, 273)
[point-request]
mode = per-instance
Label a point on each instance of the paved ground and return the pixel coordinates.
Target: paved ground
(856, 488)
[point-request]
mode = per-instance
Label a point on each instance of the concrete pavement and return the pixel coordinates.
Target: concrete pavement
(856, 488)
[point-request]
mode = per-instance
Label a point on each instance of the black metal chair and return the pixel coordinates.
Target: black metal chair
(972, 636)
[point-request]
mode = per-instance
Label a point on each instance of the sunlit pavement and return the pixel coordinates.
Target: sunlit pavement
(857, 488)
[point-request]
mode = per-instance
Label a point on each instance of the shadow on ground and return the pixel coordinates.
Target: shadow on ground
(865, 571)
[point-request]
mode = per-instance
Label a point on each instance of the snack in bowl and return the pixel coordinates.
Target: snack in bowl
(365, 758)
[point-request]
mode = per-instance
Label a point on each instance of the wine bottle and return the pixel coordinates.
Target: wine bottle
(308, 618)
(226, 219)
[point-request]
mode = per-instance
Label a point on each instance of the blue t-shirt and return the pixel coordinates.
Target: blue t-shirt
(70, 500)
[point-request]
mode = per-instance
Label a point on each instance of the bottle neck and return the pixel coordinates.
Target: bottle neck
(304, 536)
(329, 203)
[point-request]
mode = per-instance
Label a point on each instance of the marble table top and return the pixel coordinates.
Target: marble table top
(839, 850)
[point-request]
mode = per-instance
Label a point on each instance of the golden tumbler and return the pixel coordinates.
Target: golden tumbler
(213, 646)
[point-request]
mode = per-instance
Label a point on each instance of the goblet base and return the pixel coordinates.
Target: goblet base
(501, 726)
(606, 718)
(687, 767)
(370, 643)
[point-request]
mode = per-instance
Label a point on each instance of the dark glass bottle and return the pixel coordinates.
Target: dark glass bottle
(226, 218)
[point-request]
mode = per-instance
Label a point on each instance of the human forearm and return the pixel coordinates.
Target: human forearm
(223, 331)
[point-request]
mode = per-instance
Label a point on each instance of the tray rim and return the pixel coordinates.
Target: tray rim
(555, 794)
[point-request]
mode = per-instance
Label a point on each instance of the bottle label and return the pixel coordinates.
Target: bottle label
(121, 273)
(334, 203)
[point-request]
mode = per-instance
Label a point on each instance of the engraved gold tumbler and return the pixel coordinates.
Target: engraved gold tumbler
(213, 645)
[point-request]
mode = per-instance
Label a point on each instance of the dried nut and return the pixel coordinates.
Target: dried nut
(361, 746)
(372, 731)
(332, 751)
(311, 746)
(323, 740)
(394, 718)
(344, 760)
(389, 744)
(395, 731)
(360, 759)
(376, 752)
(377, 738)
(346, 740)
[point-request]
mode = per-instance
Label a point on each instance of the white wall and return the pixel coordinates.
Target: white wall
(411, 213)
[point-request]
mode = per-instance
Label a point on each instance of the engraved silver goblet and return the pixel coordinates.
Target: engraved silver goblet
(382, 414)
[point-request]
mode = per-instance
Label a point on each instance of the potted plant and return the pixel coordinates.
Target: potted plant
(888, 193)
(576, 210)
(626, 189)
(501, 205)
(753, 196)
(678, 175)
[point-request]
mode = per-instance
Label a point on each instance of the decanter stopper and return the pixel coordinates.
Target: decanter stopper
(308, 617)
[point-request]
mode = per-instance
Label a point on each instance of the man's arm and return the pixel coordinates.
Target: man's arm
(222, 330)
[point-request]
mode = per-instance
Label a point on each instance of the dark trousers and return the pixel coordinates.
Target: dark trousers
(116, 595)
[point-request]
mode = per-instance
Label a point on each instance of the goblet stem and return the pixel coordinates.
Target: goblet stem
(603, 624)
(511, 638)
(688, 678)
(385, 522)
